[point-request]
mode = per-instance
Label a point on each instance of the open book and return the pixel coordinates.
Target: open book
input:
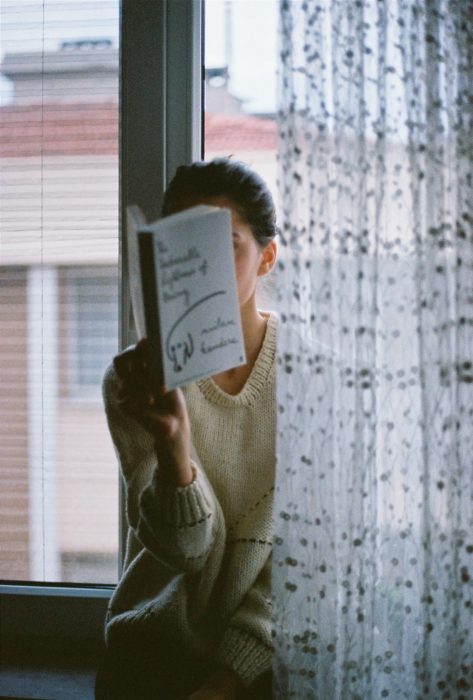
(183, 292)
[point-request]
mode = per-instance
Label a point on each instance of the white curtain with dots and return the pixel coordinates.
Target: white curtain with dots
(373, 551)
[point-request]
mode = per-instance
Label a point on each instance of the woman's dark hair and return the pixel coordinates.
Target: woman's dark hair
(223, 177)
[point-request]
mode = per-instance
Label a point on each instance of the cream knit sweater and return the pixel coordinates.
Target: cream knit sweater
(198, 566)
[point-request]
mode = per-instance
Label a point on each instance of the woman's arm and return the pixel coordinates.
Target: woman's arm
(245, 649)
(162, 413)
(176, 523)
(246, 644)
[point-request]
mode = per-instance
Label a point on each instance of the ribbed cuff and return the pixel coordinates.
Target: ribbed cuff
(184, 506)
(244, 654)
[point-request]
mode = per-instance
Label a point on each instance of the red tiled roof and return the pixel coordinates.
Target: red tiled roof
(91, 129)
(69, 129)
(240, 133)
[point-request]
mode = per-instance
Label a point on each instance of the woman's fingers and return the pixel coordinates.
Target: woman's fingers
(134, 359)
(131, 367)
(156, 410)
(162, 412)
(124, 363)
(135, 390)
(134, 385)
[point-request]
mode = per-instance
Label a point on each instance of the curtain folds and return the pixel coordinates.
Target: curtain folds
(373, 553)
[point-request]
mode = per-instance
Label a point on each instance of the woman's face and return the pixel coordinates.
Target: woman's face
(250, 259)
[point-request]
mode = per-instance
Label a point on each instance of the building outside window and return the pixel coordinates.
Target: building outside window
(91, 323)
(59, 266)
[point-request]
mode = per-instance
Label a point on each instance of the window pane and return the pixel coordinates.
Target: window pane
(91, 319)
(240, 89)
(59, 288)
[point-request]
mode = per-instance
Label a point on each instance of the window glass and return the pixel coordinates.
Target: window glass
(91, 318)
(240, 89)
(59, 291)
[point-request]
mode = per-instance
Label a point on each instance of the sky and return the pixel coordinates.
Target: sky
(254, 49)
(253, 37)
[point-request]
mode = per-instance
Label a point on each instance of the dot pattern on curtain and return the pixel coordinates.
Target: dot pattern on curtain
(373, 546)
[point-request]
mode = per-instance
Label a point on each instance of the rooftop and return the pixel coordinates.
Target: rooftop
(92, 129)
(73, 57)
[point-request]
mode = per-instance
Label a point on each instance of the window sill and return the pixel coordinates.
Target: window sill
(48, 623)
(48, 682)
(56, 590)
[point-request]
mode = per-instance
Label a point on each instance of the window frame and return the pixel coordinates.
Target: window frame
(160, 44)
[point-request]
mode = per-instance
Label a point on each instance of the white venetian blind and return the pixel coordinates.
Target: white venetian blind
(58, 286)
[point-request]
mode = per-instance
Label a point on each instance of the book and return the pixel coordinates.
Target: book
(184, 295)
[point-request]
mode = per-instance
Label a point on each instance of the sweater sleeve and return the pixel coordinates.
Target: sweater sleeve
(176, 524)
(246, 645)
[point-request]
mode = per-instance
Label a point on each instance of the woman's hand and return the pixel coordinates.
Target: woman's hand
(163, 413)
(222, 685)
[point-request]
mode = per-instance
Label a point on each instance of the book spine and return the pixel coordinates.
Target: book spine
(151, 308)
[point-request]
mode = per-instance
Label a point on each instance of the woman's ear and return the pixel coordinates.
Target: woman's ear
(268, 258)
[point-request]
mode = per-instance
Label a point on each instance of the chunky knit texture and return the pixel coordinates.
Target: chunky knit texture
(198, 559)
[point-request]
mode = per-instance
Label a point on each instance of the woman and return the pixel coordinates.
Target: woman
(190, 618)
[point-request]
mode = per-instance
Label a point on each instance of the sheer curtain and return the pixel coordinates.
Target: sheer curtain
(373, 555)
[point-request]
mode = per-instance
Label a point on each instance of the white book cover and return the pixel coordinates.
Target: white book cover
(198, 326)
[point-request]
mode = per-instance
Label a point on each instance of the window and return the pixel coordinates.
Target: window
(59, 208)
(91, 319)
(60, 221)
(240, 103)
